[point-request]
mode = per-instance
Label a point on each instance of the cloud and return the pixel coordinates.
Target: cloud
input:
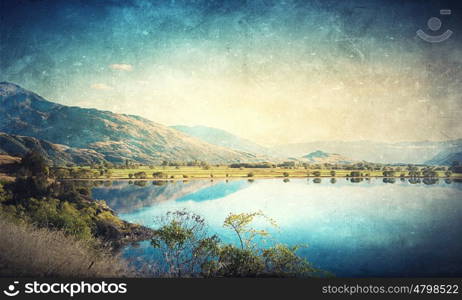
(121, 67)
(101, 86)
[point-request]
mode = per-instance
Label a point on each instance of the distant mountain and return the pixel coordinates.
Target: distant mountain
(18, 146)
(222, 138)
(320, 157)
(116, 136)
(404, 152)
(445, 158)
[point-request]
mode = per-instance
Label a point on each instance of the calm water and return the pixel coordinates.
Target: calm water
(370, 228)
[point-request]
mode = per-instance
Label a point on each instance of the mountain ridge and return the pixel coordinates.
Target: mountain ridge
(379, 152)
(117, 137)
(222, 138)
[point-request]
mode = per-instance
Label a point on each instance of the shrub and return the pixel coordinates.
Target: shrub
(140, 175)
(159, 175)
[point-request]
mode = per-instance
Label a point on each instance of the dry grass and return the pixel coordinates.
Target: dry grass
(29, 251)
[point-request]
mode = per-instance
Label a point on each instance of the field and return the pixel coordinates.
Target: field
(184, 172)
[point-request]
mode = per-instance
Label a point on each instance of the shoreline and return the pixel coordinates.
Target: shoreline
(245, 177)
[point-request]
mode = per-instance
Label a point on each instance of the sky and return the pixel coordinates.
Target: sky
(274, 72)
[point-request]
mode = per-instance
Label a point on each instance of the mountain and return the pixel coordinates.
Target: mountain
(222, 138)
(379, 152)
(116, 136)
(445, 158)
(18, 146)
(320, 157)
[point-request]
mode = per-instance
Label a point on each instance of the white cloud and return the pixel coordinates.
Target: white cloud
(101, 86)
(121, 67)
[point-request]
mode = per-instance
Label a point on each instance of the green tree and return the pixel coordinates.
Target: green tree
(185, 246)
(240, 224)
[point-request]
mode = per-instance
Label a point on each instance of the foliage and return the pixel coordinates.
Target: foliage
(140, 175)
(240, 224)
(188, 250)
(282, 260)
(159, 175)
(183, 241)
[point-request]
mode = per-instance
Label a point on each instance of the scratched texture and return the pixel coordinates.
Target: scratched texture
(272, 71)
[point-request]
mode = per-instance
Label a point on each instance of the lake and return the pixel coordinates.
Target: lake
(370, 228)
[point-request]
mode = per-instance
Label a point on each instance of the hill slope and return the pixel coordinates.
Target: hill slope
(222, 138)
(16, 145)
(320, 157)
(403, 152)
(116, 136)
(445, 158)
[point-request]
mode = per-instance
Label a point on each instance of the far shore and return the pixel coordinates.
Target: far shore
(458, 176)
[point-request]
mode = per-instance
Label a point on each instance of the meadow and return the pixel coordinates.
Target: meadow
(196, 172)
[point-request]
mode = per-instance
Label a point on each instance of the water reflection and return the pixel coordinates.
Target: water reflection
(389, 180)
(363, 229)
(356, 179)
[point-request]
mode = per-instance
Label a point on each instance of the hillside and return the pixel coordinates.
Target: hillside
(18, 146)
(320, 157)
(380, 152)
(117, 137)
(222, 138)
(445, 158)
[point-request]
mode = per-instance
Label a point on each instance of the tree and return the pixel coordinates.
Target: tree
(240, 224)
(33, 164)
(188, 249)
(184, 243)
(140, 175)
(158, 175)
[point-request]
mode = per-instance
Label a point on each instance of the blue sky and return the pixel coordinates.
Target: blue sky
(271, 71)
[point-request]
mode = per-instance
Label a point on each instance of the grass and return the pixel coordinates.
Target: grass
(185, 173)
(29, 251)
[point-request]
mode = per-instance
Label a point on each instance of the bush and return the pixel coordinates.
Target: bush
(159, 175)
(140, 175)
